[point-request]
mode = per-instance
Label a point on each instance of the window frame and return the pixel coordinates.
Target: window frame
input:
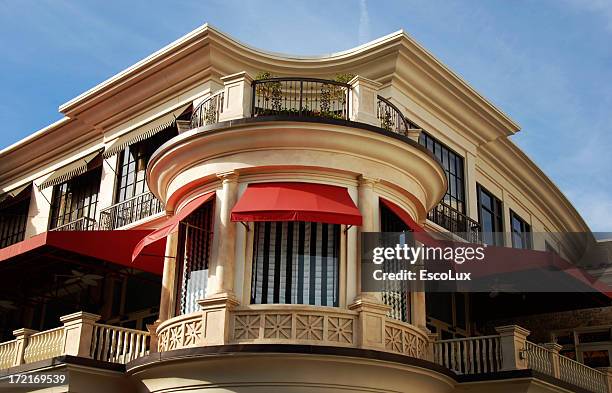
(87, 187)
(334, 236)
(525, 234)
(15, 228)
(148, 147)
(445, 151)
(498, 218)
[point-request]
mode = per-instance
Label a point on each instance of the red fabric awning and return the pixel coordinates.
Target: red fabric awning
(296, 202)
(110, 246)
(419, 232)
(509, 259)
(158, 236)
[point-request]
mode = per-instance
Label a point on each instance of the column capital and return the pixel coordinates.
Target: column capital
(359, 80)
(228, 177)
(366, 181)
(238, 76)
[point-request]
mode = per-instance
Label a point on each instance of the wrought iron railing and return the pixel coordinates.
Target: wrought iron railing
(300, 97)
(456, 222)
(208, 111)
(391, 118)
(131, 210)
(80, 224)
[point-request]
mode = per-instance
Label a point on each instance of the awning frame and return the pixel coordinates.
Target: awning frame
(296, 201)
(145, 131)
(73, 169)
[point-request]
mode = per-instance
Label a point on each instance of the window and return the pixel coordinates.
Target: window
(195, 241)
(490, 216)
(13, 220)
(448, 313)
(453, 167)
(398, 300)
(132, 164)
(296, 263)
(74, 202)
(521, 231)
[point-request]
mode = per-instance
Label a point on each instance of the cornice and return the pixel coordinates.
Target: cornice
(208, 48)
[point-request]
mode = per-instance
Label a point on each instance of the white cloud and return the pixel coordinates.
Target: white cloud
(364, 22)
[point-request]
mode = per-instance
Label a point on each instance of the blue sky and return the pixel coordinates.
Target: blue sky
(548, 64)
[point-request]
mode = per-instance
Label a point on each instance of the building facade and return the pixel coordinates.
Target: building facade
(193, 223)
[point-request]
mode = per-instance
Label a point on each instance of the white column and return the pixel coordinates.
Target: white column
(107, 187)
(39, 211)
(470, 185)
(364, 100)
(237, 96)
(168, 290)
(368, 207)
(224, 265)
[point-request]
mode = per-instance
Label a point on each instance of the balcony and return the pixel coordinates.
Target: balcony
(510, 350)
(456, 222)
(129, 211)
(80, 336)
(300, 97)
(361, 326)
(294, 324)
(80, 224)
(208, 111)
(305, 98)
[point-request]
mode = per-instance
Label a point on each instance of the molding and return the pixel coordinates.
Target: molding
(257, 144)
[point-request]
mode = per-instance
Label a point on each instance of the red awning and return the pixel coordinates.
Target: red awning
(159, 235)
(509, 259)
(296, 202)
(110, 246)
(419, 232)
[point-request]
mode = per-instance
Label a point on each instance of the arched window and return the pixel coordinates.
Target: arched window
(296, 262)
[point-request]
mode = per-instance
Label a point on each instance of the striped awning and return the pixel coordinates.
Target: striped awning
(145, 131)
(15, 194)
(76, 168)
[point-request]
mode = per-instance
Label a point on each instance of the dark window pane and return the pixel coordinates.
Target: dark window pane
(296, 263)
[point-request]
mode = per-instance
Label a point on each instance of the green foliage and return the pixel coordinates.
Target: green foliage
(344, 78)
(263, 75)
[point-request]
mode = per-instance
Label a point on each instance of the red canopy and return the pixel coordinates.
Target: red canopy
(419, 233)
(111, 246)
(159, 235)
(296, 202)
(509, 259)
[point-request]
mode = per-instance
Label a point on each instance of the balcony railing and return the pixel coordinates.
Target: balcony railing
(510, 350)
(131, 210)
(392, 119)
(300, 97)
(549, 362)
(473, 355)
(81, 336)
(456, 222)
(208, 111)
(80, 224)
